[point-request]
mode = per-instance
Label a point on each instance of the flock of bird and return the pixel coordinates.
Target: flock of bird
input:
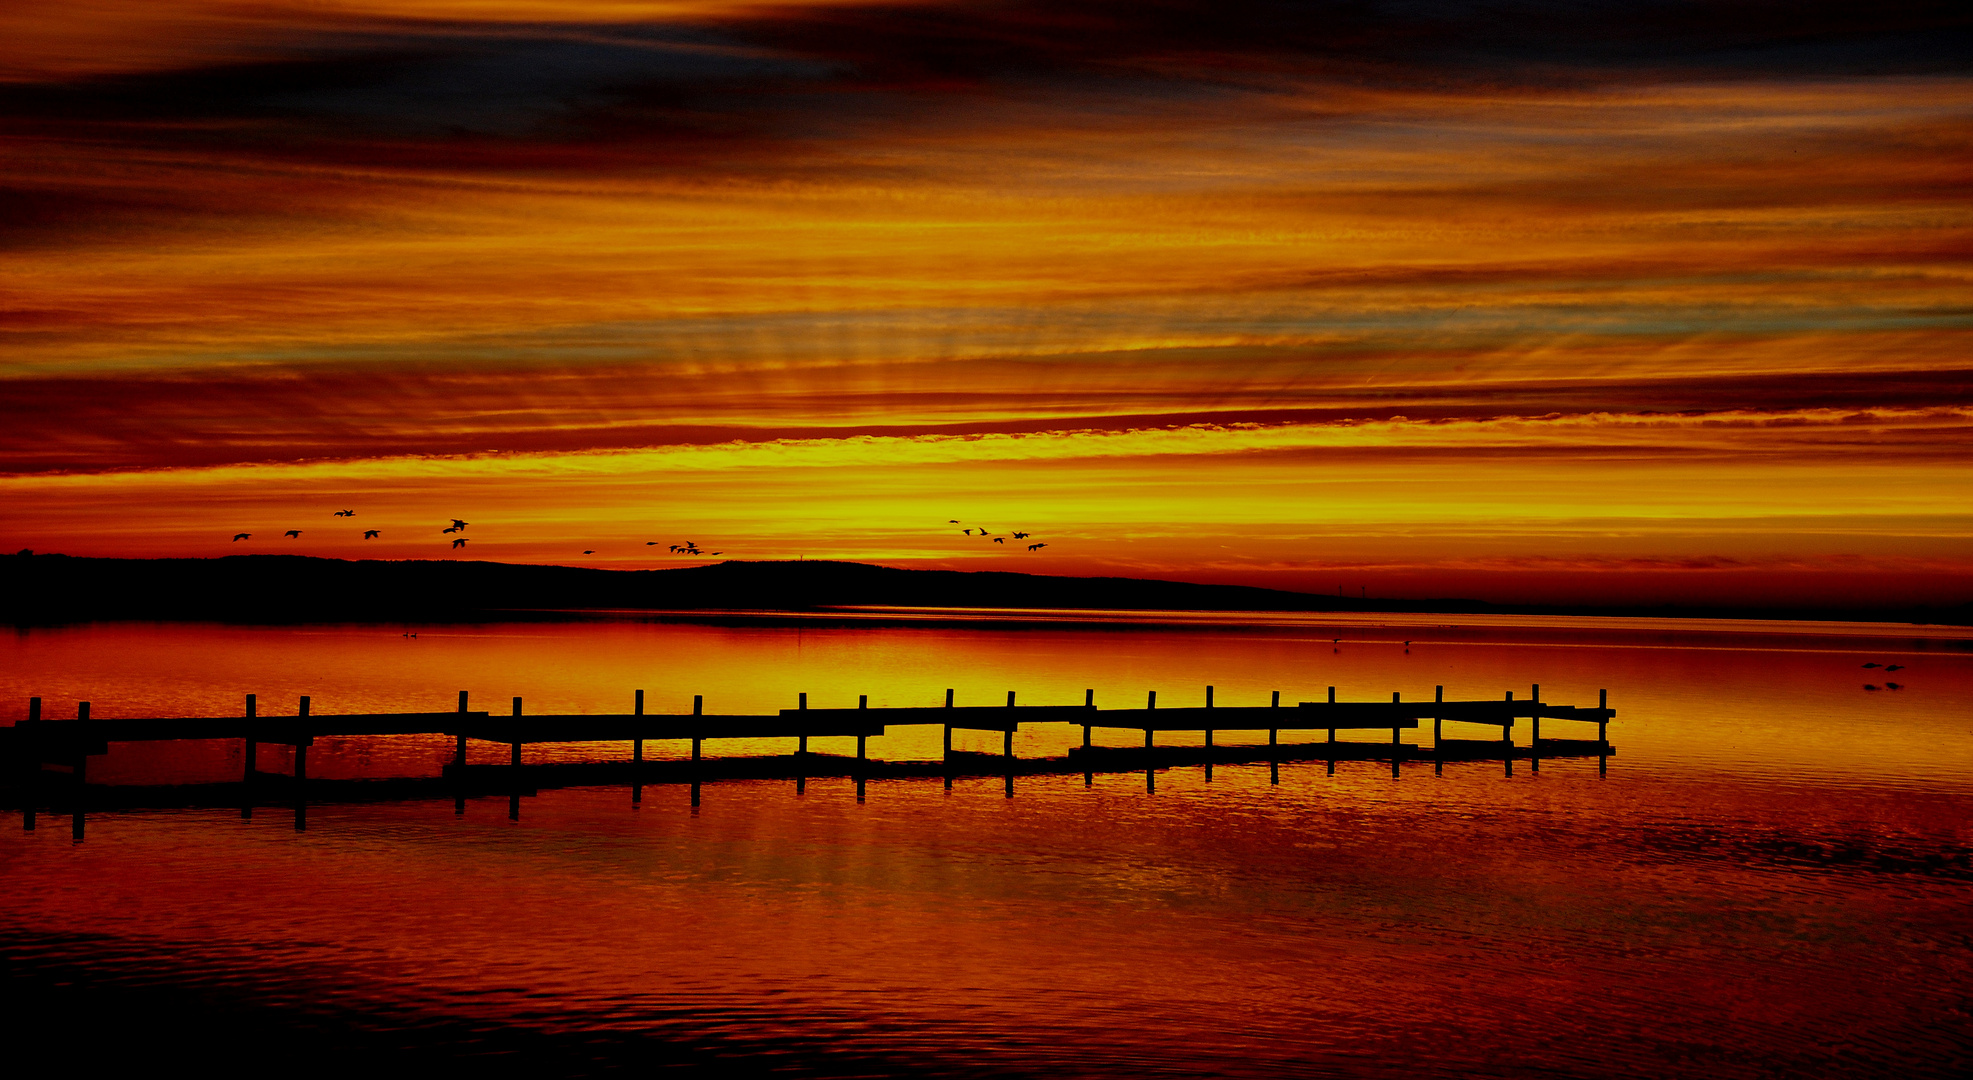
(1888, 668)
(985, 534)
(368, 534)
(689, 547)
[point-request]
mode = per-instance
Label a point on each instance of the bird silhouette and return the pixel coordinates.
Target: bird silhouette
(1894, 686)
(1893, 667)
(237, 537)
(1036, 547)
(294, 532)
(458, 541)
(345, 513)
(1873, 665)
(371, 534)
(1020, 536)
(650, 543)
(952, 521)
(1870, 686)
(449, 530)
(457, 524)
(718, 553)
(968, 532)
(585, 553)
(999, 539)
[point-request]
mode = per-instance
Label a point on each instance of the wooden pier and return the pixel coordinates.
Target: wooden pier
(36, 751)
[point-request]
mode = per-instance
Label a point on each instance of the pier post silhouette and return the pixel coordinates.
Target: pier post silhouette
(862, 702)
(1396, 746)
(1150, 766)
(1603, 735)
(1534, 732)
(514, 769)
(698, 737)
(79, 777)
(1332, 736)
(1274, 747)
(1209, 739)
(302, 740)
(1089, 773)
(459, 762)
(1507, 739)
(801, 752)
(30, 772)
(1438, 753)
(945, 759)
(1007, 744)
(250, 751)
(637, 756)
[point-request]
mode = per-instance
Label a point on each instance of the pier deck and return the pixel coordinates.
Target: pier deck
(29, 748)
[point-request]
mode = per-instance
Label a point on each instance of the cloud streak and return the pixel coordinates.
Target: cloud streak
(1166, 247)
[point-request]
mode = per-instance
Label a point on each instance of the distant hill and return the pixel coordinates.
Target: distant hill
(40, 589)
(284, 588)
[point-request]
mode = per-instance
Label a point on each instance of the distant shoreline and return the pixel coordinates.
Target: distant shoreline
(49, 589)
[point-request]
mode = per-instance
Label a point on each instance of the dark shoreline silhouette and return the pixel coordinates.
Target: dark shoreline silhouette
(44, 589)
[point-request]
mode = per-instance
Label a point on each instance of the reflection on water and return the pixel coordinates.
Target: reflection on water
(1773, 879)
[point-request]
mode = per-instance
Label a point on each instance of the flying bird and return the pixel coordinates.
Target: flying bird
(345, 513)
(585, 553)
(371, 534)
(1036, 547)
(650, 543)
(294, 532)
(458, 541)
(999, 539)
(1020, 536)
(448, 530)
(457, 524)
(237, 537)
(969, 532)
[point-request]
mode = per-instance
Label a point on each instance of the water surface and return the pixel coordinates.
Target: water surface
(1771, 879)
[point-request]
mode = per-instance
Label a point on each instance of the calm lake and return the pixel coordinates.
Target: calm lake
(1771, 879)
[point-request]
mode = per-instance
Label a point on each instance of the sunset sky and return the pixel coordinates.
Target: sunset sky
(1520, 301)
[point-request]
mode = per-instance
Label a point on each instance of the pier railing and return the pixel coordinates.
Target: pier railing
(34, 746)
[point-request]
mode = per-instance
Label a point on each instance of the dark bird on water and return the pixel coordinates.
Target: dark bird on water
(1870, 686)
(371, 534)
(294, 532)
(1893, 667)
(1894, 686)
(585, 553)
(650, 543)
(459, 542)
(242, 536)
(718, 553)
(345, 513)
(1872, 665)
(952, 521)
